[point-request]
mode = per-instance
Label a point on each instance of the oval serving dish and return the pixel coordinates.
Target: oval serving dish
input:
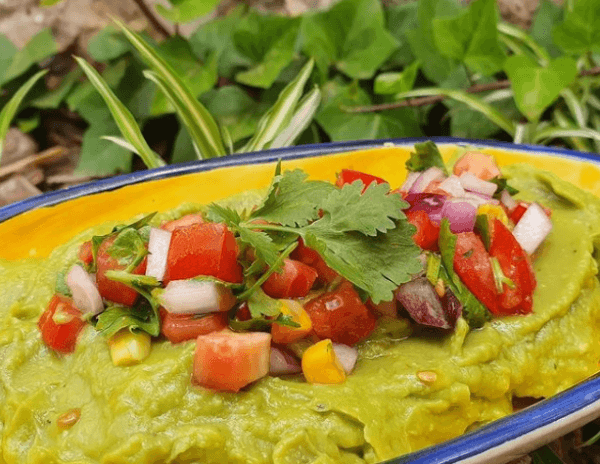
(33, 228)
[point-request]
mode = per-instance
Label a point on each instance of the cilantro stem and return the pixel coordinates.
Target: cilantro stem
(250, 225)
(246, 294)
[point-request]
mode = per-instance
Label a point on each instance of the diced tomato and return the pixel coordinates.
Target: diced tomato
(85, 253)
(348, 176)
(516, 266)
(479, 164)
(109, 289)
(284, 334)
(295, 280)
(179, 328)
(341, 316)
(60, 324)
(228, 361)
(473, 266)
(203, 249)
(325, 275)
(428, 232)
(517, 213)
(184, 221)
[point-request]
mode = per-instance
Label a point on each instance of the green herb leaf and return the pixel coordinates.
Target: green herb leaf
(502, 184)
(471, 37)
(348, 209)
(261, 305)
(535, 87)
(7, 53)
(269, 41)
(425, 156)
(292, 200)
(394, 82)
(341, 125)
(142, 316)
(400, 18)
(108, 44)
(548, 14)
(482, 226)
(579, 33)
(10, 109)
(40, 47)
(350, 36)
(474, 312)
(184, 11)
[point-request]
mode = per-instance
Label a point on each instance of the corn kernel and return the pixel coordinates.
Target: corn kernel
(321, 365)
(493, 211)
(128, 348)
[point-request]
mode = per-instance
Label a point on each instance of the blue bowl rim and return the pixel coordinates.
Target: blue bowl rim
(467, 447)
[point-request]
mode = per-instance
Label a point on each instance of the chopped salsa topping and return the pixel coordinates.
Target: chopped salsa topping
(295, 284)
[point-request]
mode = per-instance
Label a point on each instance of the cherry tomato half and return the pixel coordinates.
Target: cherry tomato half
(295, 280)
(427, 233)
(348, 176)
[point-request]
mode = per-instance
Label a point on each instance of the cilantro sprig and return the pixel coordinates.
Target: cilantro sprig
(425, 156)
(363, 236)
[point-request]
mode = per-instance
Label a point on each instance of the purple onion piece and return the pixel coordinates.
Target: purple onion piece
(460, 214)
(421, 301)
(431, 203)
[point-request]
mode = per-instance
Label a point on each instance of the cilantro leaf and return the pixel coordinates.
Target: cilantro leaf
(60, 285)
(425, 156)
(260, 304)
(370, 212)
(474, 312)
(129, 248)
(140, 317)
(377, 265)
(292, 200)
(502, 184)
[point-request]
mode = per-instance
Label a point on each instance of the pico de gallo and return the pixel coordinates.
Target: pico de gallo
(294, 285)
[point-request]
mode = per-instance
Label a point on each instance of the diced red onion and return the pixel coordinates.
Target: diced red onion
(421, 301)
(473, 183)
(432, 174)
(283, 363)
(196, 297)
(431, 203)
(533, 227)
(452, 186)
(461, 214)
(478, 199)
(410, 180)
(347, 356)
(507, 200)
(158, 250)
(85, 293)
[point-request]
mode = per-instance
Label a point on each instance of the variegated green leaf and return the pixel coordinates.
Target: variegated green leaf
(184, 113)
(121, 142)
(300, 120)
(473, 102)
(545, 135)
(211, 144)
(10, 109)
(278, 117)
(122, 116)
(517, 33)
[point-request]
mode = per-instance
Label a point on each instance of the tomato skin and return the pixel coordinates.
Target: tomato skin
(348, 176)
(180, 328)
(473, 266)
(341, 316)
(427, 233)
(184, 221)
(302, 253)
(61, 337)
(517, 213)
(228, 361)
(85, 254)
(295, 281)
(516, 265)
(203, 249)
(109, 289)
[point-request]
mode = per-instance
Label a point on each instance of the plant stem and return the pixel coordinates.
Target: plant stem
(153, 19)
(424, 101)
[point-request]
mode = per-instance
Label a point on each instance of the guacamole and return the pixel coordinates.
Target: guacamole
(407, 391)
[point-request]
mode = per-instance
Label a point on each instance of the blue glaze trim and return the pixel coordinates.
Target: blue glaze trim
(303, 151)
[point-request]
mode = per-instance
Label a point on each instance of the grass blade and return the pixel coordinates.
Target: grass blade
(545, 135)
(10, 109)
(300, 120)
(211, 144)
(575, 107)
(517, 33)
(565, 123)
(184, 113)
(278, 117)
(122, 116)
(474, 103)
(121, 142)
